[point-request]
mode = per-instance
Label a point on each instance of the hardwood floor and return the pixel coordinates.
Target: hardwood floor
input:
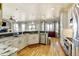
(42, 50)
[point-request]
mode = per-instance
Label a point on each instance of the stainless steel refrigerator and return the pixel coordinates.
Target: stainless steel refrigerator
(75, 46)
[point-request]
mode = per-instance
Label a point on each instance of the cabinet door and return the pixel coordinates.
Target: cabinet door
(17, 43)
(30, 40)
(35, 38)
(26, 39)
(22, 43)
(42, 38)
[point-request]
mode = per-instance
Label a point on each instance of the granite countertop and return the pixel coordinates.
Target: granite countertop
(7, 50)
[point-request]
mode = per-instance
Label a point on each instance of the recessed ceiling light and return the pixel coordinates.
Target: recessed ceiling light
(77, 5)
(52, 8)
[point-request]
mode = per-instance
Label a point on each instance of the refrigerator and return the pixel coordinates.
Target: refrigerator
(75, 46)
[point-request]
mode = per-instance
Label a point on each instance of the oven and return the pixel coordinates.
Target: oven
(68, 47)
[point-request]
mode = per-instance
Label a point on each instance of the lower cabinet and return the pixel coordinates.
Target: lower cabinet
(33, 39)
(17, 43)
(24, 40)
(42, 38)
(21, 41)
(22, 45)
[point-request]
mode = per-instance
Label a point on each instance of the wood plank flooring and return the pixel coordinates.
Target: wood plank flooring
(42, 50)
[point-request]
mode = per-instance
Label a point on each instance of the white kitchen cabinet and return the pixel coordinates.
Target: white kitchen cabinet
(21, 41)
(26, 36)
(33, 39)
(7, 41)
(30, 39)
(17, 42)
(42, 40)
(11, 41)
(36, 38)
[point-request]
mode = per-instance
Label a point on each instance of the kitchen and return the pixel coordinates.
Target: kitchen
(23, 25)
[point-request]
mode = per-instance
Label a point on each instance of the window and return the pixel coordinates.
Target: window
(47, 27)
(23, 27)
(16, 27)
(42, 26)
(32, 27)
(56, 26)
(50, 27)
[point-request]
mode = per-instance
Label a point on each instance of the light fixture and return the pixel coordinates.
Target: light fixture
(52, 8)
(77, 5)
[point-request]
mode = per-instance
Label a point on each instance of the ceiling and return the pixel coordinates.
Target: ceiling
(34, 11)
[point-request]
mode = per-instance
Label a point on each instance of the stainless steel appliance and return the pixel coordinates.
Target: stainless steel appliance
(75, 14)
(43, 38)
(68, 46)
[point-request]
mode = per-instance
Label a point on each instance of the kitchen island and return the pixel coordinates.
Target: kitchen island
(7, 50)
(16, 42)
